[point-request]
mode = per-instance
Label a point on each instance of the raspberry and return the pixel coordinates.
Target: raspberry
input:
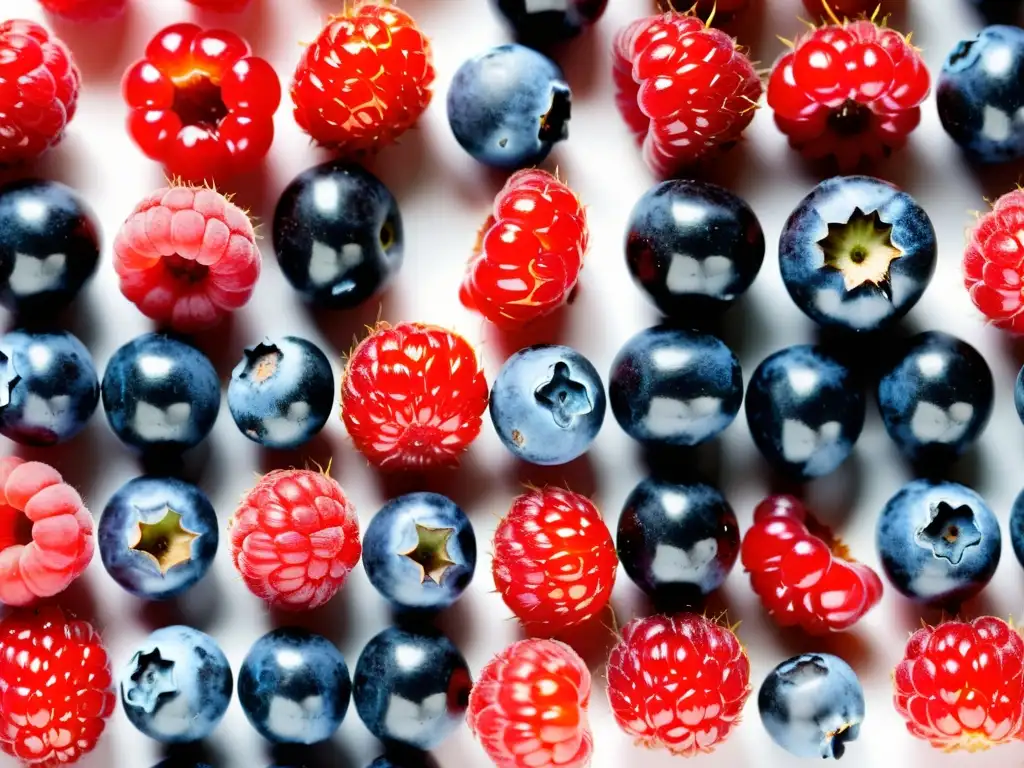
(412, 396)
(848, 92)
(365, 80)
(221, 6)
(39, 85)
(684, 89)
(554, 559)
(187, 257)
(802, 574)
(678, 682)
(994, 263)
(55, 686)
(960, 685)
(46, 533)
(529, 707)
(295, 539)
(529, 253)
(84, 10)
(201, 103)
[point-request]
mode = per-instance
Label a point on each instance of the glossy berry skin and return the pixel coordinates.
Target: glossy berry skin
(939, 542)
(554, 560)
(671, 387)
(994, 263)
(161, 395)
(1017, 528)
(805, 411)
(294, 687)
(411, 688)
(678, 683)
(509, 106)
(812, 705)
(201, 104)
(547, 404)
(281, 392)
(529, 707)
(550, 22)
(158, 536)
(805, 576)
(84, 10)
(529, 252)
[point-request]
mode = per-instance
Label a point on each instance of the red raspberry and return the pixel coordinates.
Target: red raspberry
(685, 90)
(678, 682)
(530, 252)
(55, 686)
(84, 10)
(994, 263)
(201, 103)
(848, 92)
(529, 707)
(412, 396)
(554, 559)
(295, 539)
(365, 80)
(39, 85)
(803, 575)
(960, 685)
(187, 257)
(221, 6)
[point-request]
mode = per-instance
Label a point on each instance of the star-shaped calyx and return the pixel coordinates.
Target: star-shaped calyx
(950, 531)
(165, 541)
(564, 397)
(9, 379)
(430, 552)
(261, 361)
(862, 251)
(152, 677)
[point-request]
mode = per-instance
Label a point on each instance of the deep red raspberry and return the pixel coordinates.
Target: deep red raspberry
(684, 89)
(295, 539)
(412, 396)
(365, 80)
(851, 9)
(84, 10)
(994, 263)
(802, 573)
(221, 6)
(55, 687)
(529, 707)
(960, 685)
(201, 103)
(529, 253)
(678, 682)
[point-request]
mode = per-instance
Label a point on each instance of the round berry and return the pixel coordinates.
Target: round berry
(542, 25)
(994, 263)
(1017, 528)
(85, 10)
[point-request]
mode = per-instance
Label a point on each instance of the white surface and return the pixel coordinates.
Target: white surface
(445, 197)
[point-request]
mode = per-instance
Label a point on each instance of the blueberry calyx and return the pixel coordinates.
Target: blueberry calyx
(9, 378)
(261, 361)
(152, 678)
(554, 124)
(564, 397)
(834, 744)
(961, 52)
(862, 250)
(851, 119)
(166, 541)
(430, 553)
(949, 532)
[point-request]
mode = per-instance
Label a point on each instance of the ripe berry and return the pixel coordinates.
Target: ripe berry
(84, 10)
(201, 103)
(529, 252)
(994, 263)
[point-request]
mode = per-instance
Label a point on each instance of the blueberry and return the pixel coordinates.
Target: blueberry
(177, 685)
(1018, 394)
(411, 688)
(294, 687)
(547, 404)
(48, 387)
(174, 762)
(805, 411)
(693, 247)
(1017, 528)
(160, 394)
(338, 235)
(939, 542)
(857, 253)
(677, 541)
(419, 551)
(282, 392)
(675, 387)
(509, 106)
(812, 705)
(545, 23)
(980, 98)
(157, 536)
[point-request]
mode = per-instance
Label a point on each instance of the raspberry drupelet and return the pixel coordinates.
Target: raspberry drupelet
(994, 263)
(84, 10)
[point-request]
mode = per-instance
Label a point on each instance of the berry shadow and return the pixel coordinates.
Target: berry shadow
(223, 344)
(548, 329)
(189, 755)
(583, 61)
(343, 329)
(78, 601)
(732, 168)
(968, 469)
(318, 453)
(254, 24)
(407, 163)
(868, 355)
(593, 640)
(81, 460)
(202, 465)
(831, 499)
(79, 319)
(685, 464)
(112, 57)
(407, 757)
(852, 647)
(995, 180)
(198, 607)
(741, 326)
(326, 753)
(999, 12)
(332, 620)
(911, 616)
(465, 484)
(256, 192)
(577, 476)
(1013, 347)
(456, 622)
(749, 28)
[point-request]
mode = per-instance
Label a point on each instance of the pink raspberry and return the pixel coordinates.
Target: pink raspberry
(84, 10)
(187, 257)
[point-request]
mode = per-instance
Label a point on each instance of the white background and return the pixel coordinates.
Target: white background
(445, 196)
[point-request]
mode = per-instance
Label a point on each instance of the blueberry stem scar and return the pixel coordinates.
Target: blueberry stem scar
(862, 251)
(430, 553)
(9, 377)
(152, 677)
(564, 397)
(167, 542)
(949, 532)
(261, 361)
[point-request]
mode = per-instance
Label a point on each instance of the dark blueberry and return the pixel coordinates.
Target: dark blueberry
(282, 392)
(175, 762)
(547, 404)
(160, 394)
(1018, 394)
(548, 22)
(508, 107)
(857, 253)
(338, 235)
(677, 541)
(294, 687)
(980, 97)
(177, 685)
(411, 688)
(805, 411)
(675, 387)
(693, 247)
(48, 387)
(1017, 528)
(49, 246)
(157, 536)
